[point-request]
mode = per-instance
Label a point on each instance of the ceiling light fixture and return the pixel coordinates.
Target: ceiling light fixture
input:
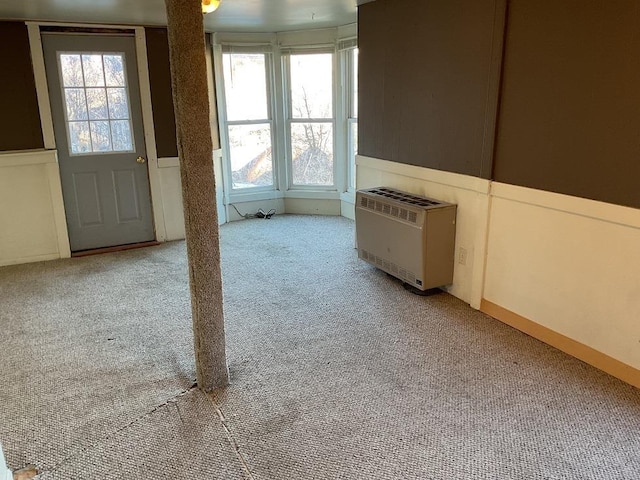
(209, 6)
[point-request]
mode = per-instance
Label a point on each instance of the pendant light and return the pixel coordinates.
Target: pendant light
(209, 6)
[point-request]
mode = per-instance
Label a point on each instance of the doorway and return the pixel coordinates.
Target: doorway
(97, 118)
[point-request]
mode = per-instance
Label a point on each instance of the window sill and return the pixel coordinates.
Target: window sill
(235, 197)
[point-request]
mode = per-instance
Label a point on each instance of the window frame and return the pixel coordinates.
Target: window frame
(127, 92)
(351, 94)
(289, 119)
(225, 124)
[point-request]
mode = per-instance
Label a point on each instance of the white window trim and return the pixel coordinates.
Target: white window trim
(349, 100)
(232, 194)
(286, 85)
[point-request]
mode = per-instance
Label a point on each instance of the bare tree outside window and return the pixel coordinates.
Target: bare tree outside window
(97, 102)
(248, 119)
(311, 84)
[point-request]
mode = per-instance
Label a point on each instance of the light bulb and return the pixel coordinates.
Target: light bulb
(209, 6)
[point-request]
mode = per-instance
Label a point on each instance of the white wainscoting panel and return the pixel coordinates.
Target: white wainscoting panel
(171, 195)
(569, 264)
(32, 221)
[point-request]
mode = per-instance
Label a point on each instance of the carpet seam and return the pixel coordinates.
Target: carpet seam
(85, 448)
(232, 440)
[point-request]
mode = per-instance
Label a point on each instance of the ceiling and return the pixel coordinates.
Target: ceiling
(232, 16)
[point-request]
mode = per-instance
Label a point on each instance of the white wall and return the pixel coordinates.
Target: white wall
(562, 269)
(32, 223)
(469, 193)
(569, 264)
(171, 195)
(348, 205)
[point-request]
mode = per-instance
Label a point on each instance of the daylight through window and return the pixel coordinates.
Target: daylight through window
(248, 119)
(311, 119)
(96, 102)
(352, 114)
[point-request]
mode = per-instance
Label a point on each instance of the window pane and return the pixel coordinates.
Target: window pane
(97, 103)
(93, 73)
(114, 70)
(79, 137)
(107, 109)
(121, 134)
(353, 143)
(311, 86)
(76, 104)
(71, 68)
(245, 84)
(250, 153)
(118, 105)
(312, 153)
(100, 136)
(354, 80)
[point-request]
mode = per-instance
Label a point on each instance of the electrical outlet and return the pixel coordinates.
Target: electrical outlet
(462, 256)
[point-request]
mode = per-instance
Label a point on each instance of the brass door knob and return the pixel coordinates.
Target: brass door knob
(141, 160)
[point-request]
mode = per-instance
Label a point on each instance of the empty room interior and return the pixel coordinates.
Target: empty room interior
(519, 118)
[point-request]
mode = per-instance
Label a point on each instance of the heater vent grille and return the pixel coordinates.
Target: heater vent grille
(385, 208)
(403, 197)
(387, 266)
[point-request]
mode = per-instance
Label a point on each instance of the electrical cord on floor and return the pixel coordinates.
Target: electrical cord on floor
(259, 214)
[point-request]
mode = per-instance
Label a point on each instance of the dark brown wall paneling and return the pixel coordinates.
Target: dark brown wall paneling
(569, 119)
(161, 96)
(19, 117)
(424, 76)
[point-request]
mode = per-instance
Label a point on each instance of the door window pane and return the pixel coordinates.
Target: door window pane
(71, 68)
(93, 70)
(114, 70)
(100, 136)
(250, 152)
(311, 85)
(85, 78)
(312, 153)
(245, 84)
(97, 103)
(79, 137)
(76, 103)
(121, 135)
(118, 103)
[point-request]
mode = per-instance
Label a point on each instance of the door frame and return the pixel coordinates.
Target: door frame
(46, 118)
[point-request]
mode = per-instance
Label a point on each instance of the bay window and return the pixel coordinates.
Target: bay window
(288, 119)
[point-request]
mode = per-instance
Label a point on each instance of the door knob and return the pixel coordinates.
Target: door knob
(141, 160)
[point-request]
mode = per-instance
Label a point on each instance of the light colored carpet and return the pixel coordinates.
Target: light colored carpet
(337, 373)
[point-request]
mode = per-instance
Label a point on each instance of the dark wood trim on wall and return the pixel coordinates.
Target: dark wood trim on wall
(569, 117)
(20, 118)
(426, 69)
(161, 94)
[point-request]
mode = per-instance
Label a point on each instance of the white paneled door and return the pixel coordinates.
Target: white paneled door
(97, 117)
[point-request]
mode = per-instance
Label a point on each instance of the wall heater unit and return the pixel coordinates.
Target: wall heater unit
(407, 236)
